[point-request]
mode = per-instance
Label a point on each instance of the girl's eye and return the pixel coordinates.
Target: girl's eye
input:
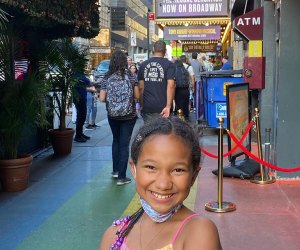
(179, 170)
(150, 167)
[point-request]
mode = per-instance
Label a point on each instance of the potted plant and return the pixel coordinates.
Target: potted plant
(65, 61)
(21, 105)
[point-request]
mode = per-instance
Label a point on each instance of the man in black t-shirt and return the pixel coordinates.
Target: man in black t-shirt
(156, 83)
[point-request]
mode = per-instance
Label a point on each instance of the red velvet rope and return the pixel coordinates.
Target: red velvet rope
(235, 147)
(267, 164)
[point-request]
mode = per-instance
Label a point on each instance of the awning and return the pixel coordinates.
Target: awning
(241, 7)
(250, 25)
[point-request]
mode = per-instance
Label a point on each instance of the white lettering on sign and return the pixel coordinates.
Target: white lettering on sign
(169, 8)
(181, 8)
(255, 21)
(187, 8)
(208, 7)
(221, 110)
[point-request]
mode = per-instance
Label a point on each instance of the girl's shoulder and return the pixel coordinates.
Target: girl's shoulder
(201, 232)
(199, 222)
(108, 238)
(192, 222)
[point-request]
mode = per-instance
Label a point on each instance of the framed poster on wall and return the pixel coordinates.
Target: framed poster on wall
(238, 116)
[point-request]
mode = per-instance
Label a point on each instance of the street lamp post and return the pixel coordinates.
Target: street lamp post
(148, 34)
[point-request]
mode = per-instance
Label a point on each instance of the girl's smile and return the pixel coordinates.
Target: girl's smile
(160, 197)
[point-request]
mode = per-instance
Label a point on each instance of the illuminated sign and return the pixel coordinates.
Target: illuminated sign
(198, 47)
(192, 33)
(190, 8)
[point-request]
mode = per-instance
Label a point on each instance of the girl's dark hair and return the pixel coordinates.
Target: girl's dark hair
(132, 220)
(167, 126)
(118, 63)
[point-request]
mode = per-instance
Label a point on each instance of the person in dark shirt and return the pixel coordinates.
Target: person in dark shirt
(79, 100)
(156, 83)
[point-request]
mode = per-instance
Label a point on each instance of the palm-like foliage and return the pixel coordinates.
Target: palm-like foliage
(21, 102)
(65, 61)
(5, 48)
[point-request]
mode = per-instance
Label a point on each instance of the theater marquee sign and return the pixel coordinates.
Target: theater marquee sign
(188, 48)
(191, 8)
(192, 33)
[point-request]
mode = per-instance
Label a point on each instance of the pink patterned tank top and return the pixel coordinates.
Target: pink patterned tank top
(169, 246)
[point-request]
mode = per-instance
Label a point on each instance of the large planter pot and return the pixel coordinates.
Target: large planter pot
(61, 140)
(14, 174)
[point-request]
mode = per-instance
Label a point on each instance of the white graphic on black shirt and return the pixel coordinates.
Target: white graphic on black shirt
(154, 72)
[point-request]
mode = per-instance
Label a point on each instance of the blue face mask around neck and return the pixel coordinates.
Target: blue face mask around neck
(157, 217)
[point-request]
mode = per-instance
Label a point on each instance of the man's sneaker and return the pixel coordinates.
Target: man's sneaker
(95, 126)
(115, 175)
(86, 137)
(123, 181)
(79, 139)
(89, 127)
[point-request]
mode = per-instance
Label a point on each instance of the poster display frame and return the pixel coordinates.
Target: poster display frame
(238, 116)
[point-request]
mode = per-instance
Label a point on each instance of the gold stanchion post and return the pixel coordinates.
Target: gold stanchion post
(264, 177)
(220, 206)
(180, 114)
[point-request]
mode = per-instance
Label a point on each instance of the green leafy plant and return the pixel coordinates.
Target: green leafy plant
(21, 101)
(56, 19)
(65, 62)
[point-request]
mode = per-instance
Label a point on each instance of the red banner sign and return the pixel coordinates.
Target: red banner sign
(250, 25)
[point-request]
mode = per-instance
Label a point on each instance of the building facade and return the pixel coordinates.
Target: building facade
(278, 101)
(123, 26)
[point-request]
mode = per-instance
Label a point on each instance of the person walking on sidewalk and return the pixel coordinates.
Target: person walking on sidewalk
(120, 91)
(156, 83)
(185, 80)
(164, 177)
(79, 100)
(91, 103)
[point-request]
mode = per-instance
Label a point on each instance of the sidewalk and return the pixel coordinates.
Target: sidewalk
(267, 216)
(72, 199)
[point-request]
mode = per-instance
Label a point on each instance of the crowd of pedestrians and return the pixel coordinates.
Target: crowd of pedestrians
(155, 89)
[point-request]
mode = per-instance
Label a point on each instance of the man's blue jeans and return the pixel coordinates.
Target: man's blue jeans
(91, 105)
(122, 131)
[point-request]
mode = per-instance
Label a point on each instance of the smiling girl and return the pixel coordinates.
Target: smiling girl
(165, 158)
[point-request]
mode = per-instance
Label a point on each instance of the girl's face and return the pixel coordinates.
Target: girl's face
(164, 173)
(133, 69)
